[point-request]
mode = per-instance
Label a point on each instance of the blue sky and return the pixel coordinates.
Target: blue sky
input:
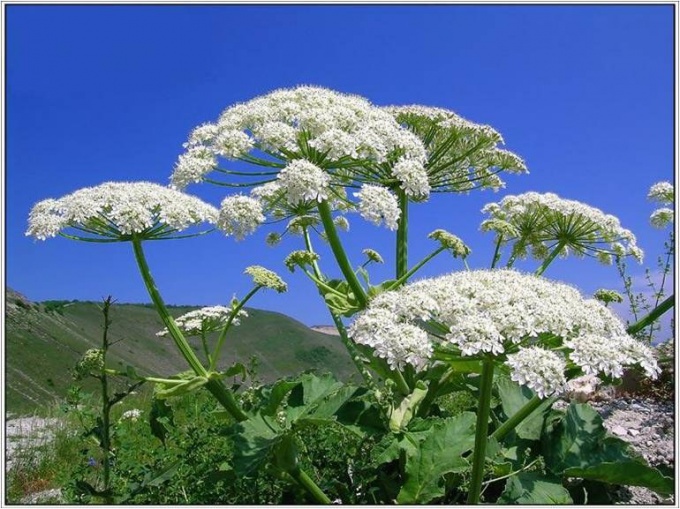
(109, 93)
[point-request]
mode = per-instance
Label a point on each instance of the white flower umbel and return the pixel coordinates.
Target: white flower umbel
(491, 312)
(539, 369)
(205, 320)
(131, 415)
(117, 210)
(377, 204)
(240, 215)
(462, 155)
(345, 133)
(303, 181)
(664, 193)
(545, 221)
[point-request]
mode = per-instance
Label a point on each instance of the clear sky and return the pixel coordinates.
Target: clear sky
(109, 93)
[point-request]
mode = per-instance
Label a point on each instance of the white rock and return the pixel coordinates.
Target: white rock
(619, 430)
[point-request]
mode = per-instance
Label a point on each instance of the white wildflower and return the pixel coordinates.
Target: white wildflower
(413, 177)
(240, 215)
(192, 166)
(131, 415)
(539, 369)
(205, 320)
(662, 217)
(377, 204)
(117, 210)
(662, 192)
(266, 278)
(304, 181)
(543, 221)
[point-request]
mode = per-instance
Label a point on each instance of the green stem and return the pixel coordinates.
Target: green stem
(481, 432)
(218, 390)
(550, 258)
(106, 407)
(163, 312)
(206, 350)
(402, 235)
(415, 268)
(517, 418)
(653, 315)
(339, 252)
(301, 477)
(496, 253)
(223, 334)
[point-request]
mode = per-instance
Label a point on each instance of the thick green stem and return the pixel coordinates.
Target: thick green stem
(481, 432)
(517, 418)
(653, 315)
(223, 334)
(553, 254)
(301, 477)
(402, 235)
(216, 388)
(163, 312)
(106, 407)
(339, 252)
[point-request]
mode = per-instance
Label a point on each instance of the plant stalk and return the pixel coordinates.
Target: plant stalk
(218, 390)
(553, 254)
(340, 255)
(223, 334)
(308, 483)
(653, 315)
(481, 432)
(402, 235)
(517, 418)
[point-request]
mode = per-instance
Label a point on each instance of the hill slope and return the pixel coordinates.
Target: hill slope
(44, 340)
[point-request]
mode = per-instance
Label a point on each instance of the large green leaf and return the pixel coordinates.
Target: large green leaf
(310, 392)
(532, 488)
(577, 445)
(629, 473)
(513, 398)
(441, 452)
(254, 441)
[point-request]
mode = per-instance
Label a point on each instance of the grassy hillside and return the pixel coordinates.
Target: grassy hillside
(44, 340)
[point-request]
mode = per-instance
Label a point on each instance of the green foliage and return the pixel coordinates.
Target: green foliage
(531, 488)
(575, 445)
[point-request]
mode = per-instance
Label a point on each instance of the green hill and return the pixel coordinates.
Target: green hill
(44, 340)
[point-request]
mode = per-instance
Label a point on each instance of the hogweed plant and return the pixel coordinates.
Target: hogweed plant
(302, 161)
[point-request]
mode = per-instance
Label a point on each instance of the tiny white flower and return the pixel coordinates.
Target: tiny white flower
(240, 215)
(377, 204)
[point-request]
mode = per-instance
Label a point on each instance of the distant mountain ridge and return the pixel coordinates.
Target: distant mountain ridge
(44, 340)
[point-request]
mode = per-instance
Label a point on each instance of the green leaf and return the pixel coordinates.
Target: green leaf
(513, 398)
(577, 445)
(440, 453)
(236, 369)
(311, 390)
(401, 415)
(628, 473)
(278, 392)
(530, 488)
(161, 418)
(254, 441)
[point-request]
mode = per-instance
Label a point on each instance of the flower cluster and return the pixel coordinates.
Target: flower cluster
(520, 318)
(377, 204)
(664, 193)
(541, 222)
(92, 362)
(205, 320)
(608, 296)
(131, 415)
(240, 215)
(266, 278)
(451, 242)
(462, 155)
(300, 259)
(332, 130)
(117, 210)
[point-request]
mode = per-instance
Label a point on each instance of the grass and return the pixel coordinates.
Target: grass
(44, 340)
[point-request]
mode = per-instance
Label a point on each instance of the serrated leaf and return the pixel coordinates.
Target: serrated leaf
(531, 488)
(441, 452)
(577, 446)
(254, 441)
(277, 394)
(311, 390)
(236, 369)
